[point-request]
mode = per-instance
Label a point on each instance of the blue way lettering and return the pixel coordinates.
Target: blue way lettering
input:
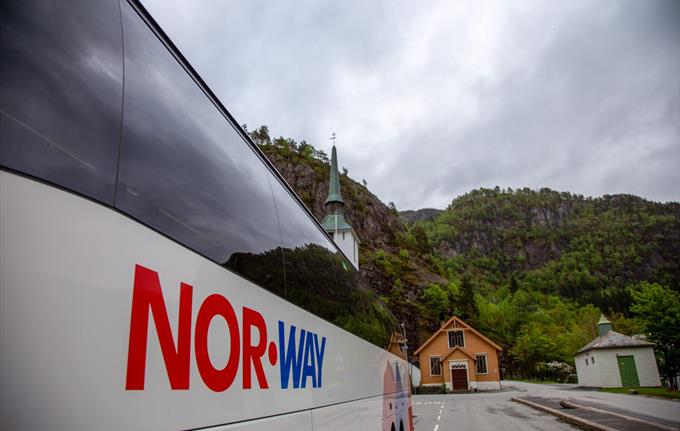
(300, 360)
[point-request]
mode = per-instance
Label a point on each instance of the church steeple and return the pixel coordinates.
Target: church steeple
(334, 223)
(334, 195)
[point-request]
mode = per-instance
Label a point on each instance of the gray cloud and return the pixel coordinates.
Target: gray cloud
(430, 102)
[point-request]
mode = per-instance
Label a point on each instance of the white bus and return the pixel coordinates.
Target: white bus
(147, 249)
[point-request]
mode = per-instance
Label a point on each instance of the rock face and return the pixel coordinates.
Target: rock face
(374, 222)
(413, 216)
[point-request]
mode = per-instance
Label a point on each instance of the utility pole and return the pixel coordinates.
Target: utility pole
(403, 334)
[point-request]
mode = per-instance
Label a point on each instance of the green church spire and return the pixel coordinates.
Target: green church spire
(334, 185)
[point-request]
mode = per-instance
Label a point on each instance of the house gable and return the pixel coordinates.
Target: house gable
(458, 353)
(456, 323)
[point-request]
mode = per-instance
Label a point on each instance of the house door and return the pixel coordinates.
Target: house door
(628, 371)
(459, 380)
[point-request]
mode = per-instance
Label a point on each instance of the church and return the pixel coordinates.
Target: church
(334, 223)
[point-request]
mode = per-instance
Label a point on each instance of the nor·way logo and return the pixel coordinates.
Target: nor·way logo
(299, 354)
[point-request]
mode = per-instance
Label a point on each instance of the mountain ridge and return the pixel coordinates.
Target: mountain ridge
(502, 259)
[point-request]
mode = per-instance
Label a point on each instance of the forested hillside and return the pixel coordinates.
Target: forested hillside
(544, 264)
(532, 269)
(588, 249)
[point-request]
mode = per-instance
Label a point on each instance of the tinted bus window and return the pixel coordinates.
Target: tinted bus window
(308, 255)
(321, 280)
(184, 169)
(61, 95)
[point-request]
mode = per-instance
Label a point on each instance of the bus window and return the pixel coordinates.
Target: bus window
(184, 169)
(60, 104)
(308, 256)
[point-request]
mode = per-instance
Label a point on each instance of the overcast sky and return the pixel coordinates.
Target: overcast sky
(431, 99)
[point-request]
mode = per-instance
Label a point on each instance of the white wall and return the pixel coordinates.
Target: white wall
(645, 363)
(348, 245)
(588, 375)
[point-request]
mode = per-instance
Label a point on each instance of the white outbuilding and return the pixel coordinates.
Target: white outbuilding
(614, 360)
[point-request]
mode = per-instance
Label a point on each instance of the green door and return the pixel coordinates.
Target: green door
(629, 375)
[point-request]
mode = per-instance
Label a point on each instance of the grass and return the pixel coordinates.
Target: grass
(657, 392)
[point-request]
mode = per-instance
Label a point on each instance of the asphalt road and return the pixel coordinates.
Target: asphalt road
(480, 411)
(495, 411)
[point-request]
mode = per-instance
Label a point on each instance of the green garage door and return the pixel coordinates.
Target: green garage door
(629, 375)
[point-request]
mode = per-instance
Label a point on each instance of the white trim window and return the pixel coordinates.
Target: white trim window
(456, 338)
(435, 366)
(481, 365)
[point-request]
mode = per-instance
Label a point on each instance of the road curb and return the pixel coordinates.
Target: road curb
(583, 423)
(573, 405)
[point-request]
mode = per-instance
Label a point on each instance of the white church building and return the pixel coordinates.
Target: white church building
(614, 360)
(334, 223)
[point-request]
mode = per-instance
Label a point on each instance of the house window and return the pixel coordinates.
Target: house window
(592, 360)
(435, 366)
(456, 338)
(586, 361)
(480, 364)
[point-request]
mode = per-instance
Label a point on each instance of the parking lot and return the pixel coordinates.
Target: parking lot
(495, 411)
(479, 411)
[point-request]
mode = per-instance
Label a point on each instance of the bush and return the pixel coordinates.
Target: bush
(555, 370)
(429, 390)
(571, 378)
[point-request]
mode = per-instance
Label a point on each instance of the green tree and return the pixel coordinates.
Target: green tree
(658, 307)
(531, 347)
(421, 238)
(436, 301)
(261, 136)
(467, 298)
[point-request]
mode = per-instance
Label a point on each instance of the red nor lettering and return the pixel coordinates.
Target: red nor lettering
(216, 379)
(147, 295)
(148, 301)
(253, 354)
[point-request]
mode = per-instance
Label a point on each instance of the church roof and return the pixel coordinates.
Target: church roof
(614, 339)
(329, 223)
(334, 184)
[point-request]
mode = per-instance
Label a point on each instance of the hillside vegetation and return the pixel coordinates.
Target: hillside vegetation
(532, 269)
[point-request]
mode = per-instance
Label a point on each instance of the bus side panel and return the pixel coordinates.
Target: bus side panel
(301, 421)
(371, 412)
(342, 417)
(68, 269)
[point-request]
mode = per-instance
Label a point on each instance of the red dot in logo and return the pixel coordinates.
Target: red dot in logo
(272, 353)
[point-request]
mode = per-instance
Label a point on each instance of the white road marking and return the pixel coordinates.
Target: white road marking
(438, 417)
(436, 427)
